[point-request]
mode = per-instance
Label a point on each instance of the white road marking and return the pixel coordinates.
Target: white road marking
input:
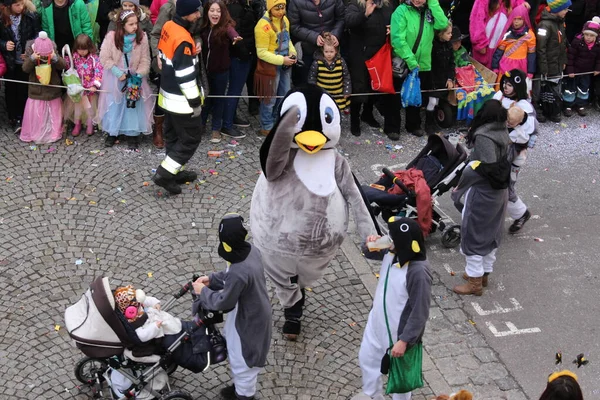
(512, 330)
(500, 287)
(498, 309)
(448, 269)
(376, 168)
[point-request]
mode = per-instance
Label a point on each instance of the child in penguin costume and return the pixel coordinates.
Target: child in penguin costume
(299, 210)
(407, 301)
(243, 288)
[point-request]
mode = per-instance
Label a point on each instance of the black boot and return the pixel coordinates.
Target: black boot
(291, 327)
(431, 126)
(355, 118)
(185, 176)
(166, 180)
(367, 116)
(228, 393)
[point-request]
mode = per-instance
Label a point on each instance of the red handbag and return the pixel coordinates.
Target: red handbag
(380, 69)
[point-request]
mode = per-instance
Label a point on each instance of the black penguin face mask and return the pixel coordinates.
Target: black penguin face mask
(409, 244)
(232, 237)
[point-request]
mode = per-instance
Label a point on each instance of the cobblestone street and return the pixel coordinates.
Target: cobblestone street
(69, 213)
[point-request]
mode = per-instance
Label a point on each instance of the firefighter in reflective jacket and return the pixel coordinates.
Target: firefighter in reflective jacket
(181, 96)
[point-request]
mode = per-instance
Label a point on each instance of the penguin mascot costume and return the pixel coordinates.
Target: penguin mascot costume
(243, 288)
(299, 209)
(405, 288)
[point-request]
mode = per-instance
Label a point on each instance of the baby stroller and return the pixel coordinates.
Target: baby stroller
(441, 163)
(109, 343)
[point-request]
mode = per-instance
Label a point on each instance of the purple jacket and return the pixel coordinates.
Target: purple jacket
(581, 58)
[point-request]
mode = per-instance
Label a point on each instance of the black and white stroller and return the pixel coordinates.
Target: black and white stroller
(442, 164)
(111, 346)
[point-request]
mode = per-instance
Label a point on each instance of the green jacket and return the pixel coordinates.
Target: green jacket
(78, 16)
(405, 28)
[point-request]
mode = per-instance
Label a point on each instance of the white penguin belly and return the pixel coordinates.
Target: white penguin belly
(316, 171)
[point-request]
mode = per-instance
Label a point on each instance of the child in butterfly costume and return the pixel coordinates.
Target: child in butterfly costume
(407, 304)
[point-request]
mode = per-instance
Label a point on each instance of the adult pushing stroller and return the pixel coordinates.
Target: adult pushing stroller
(109, 342)
(441, 164)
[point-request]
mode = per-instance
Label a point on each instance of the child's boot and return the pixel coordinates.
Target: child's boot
(89, 127)
(473, 286)
(77, 129)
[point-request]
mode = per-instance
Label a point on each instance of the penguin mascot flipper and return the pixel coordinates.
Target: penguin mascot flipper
(275, 150)
(299, 210)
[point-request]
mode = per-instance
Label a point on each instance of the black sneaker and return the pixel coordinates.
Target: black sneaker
(518, 224)
(393, 136)
(581, 111)
(133, 142)
(110, 141)
(233, 133)
(240, 122)
(568, 112)
(185, 176)
(556, 118)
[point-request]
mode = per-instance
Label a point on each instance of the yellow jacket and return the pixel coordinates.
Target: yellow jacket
(266, 40)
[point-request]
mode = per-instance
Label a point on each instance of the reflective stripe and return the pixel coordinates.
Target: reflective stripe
(170, 63)
(171, 165)
(188, 84)
(186, 71)
(191, 93)
(174, 103)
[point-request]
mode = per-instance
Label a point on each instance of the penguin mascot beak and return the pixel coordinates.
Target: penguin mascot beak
(310, 141)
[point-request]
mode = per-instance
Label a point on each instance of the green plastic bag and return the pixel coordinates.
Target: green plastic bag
(70, 77)
(406, 373)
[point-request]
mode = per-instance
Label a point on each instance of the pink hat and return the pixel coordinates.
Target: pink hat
(43, 45)
(592, 26)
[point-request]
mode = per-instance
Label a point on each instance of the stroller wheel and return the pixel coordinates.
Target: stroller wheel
(87, 370)
(445, 115)
(451, 236)
(177, 395)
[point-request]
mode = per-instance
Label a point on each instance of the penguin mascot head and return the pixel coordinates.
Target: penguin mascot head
(409, 244)
(309, 121)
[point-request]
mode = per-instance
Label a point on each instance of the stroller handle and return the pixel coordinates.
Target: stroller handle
(398, 182)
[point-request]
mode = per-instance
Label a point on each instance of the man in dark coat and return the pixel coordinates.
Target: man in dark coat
(308, 20)
(368, 22)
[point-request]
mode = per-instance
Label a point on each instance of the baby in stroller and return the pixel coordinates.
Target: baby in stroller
(131, 343)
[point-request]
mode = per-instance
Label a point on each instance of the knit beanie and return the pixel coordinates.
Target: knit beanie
(134, 2)
(592, 26)
(557, 6)
(186, 7)
(273, 3)
(43, 45)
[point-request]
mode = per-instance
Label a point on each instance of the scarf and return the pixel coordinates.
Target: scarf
(15, 22)
(128, 43)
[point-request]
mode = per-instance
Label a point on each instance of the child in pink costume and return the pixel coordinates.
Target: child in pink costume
(42, 118)
(487, 23)
(516, 49)
(88, 66)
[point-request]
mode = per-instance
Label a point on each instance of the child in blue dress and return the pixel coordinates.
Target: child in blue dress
(125, 105)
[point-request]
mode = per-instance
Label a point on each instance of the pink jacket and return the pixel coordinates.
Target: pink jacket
(139, 62)
(479, 19)
(155, 9)
(89, 70)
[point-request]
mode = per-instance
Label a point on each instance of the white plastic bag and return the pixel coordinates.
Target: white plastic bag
(71, 78)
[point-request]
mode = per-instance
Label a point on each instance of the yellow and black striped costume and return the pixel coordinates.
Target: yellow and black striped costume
(334, 78)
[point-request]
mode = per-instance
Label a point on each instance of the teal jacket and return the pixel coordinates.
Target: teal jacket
(405, 28)
(78, 16)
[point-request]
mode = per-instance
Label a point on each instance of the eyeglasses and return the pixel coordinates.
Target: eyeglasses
(279, 6)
